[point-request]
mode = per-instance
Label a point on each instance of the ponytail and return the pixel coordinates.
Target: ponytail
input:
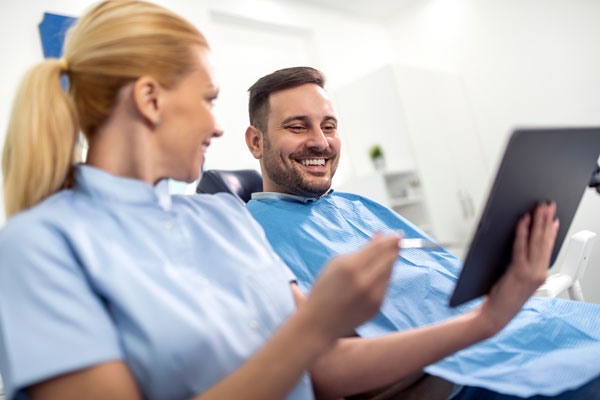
(114, 43)
(40, 142)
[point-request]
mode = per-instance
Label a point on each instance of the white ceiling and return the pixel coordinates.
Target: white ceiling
(378, 9)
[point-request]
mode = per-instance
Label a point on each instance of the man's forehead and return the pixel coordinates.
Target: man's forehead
(307, 99)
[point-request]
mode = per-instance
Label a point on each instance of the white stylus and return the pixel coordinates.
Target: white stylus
(418, 243)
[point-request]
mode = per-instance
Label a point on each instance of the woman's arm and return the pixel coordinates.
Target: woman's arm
(349, 292)
(111, 380)
(355, 365)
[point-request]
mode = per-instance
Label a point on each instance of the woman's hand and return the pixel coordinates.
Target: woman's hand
(532, 250)
(351, 287)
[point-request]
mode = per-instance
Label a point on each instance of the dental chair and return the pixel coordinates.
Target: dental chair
(242, 183)
(572, 269)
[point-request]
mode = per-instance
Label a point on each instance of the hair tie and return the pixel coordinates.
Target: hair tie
(64, 65)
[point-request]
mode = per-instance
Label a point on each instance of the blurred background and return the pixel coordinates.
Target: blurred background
(427, 91)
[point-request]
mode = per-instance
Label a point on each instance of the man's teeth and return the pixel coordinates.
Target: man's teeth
(313, 161)
(203, 147)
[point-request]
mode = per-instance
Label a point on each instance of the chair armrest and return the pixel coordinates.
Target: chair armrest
(572, 270)
(554, 285)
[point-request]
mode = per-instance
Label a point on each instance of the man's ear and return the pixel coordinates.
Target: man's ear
(254, 141)
(147, 98)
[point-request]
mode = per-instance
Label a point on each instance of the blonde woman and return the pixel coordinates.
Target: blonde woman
(112, 288)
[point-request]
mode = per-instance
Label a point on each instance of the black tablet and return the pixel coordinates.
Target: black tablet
(538, 165)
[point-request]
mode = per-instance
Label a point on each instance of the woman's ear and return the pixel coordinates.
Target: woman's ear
(254, 141)
(147, 99)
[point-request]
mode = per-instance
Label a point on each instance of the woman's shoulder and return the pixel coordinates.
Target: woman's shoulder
(48, 217)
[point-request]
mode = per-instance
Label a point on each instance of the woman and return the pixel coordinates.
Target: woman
(111, 288)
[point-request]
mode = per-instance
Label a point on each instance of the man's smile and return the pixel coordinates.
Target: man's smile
(313, 164)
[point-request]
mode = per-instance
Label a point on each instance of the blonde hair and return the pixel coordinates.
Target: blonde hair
(113, 44)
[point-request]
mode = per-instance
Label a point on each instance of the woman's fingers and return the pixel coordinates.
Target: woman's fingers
(538, 248)
(536, 235)
(553, 226)
(382, 253)
(380, 248)
(542, 234)
(521, 240)
(549, 232)
(351, 288)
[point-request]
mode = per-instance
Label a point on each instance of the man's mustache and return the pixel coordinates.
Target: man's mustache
(314, 154)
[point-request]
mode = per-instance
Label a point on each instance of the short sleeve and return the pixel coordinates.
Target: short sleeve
(51, 321)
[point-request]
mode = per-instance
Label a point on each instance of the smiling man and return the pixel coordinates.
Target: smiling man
(301, 153)
(550, 348)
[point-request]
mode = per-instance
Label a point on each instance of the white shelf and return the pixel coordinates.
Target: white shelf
(406, 201)
(399, 190)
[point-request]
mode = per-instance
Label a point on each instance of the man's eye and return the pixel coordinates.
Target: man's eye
(296, 128)
(329, 128)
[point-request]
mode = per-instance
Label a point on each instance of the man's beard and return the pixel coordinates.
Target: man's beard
(287, 175)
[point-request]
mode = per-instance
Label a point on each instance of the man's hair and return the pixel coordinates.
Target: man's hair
(279, 80)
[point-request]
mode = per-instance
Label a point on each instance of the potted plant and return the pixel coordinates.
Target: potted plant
(377, 157)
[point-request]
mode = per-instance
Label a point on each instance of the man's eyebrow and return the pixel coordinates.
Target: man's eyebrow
(301, 118)
(306, 119)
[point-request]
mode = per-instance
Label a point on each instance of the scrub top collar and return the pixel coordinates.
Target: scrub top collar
(288, 197)
(100, 184)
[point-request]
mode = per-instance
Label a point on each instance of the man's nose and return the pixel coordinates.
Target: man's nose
(317, 139)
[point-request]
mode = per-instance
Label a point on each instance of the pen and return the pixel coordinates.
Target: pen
(418, 243)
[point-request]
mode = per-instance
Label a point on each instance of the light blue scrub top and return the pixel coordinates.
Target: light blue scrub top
(181, 288)
(551, 346)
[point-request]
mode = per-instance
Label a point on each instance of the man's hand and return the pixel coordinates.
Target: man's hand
(532, 250)
(351, 288)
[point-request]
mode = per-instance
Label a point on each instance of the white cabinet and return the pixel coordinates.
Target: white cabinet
(405, 194)
(399, 190)
(422, 120)
(447, 149)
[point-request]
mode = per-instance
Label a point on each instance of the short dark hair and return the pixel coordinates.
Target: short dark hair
(286, 78)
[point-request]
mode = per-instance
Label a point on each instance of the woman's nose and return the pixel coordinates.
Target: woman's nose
(218, 130)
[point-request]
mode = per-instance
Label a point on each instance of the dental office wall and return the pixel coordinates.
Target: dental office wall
(523, 63)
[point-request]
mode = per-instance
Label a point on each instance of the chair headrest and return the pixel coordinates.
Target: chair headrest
(241, 183)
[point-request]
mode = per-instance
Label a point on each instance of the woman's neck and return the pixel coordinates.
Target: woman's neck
(123, 147)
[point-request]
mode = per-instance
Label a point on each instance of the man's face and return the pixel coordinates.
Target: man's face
(301, 146)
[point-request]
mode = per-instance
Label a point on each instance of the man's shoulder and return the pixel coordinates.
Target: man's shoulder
(357, 198)
(275, 210)
(268, 205)
(264, 203)
(256, 207)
